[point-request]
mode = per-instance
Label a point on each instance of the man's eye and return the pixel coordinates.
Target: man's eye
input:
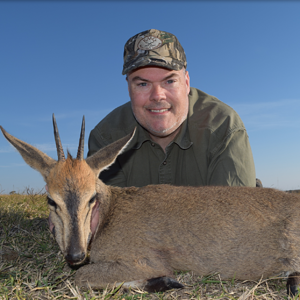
(170, 81)
(142, 84)
(51, 202)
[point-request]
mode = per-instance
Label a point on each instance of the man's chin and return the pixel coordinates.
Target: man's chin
(163, 132)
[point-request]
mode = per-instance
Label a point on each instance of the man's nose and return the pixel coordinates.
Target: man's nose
(157, 93)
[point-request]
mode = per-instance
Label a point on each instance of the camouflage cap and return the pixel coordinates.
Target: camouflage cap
(153, 48)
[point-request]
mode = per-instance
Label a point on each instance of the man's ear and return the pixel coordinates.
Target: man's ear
(187, 81)
(127, 84)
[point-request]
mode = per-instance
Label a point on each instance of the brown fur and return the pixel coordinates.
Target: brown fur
(149, 232)
(237, 231)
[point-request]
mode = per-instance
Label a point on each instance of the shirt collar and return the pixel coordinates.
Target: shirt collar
(140, 137)
(182, 139)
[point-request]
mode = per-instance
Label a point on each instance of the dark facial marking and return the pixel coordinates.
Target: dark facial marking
(75, 254)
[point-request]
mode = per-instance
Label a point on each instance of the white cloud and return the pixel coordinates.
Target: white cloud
(14, 165)
(52, 147)
(266, 106)
(7, 150)
(269, 115)
(77, 114)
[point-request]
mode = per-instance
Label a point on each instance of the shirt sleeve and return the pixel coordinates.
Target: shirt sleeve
(114, 175)
(94, 144)
(232, 163)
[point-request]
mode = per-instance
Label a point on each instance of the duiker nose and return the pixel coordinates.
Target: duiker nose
(75, 258)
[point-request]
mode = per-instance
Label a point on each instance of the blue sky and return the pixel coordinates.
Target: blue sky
(66, 58)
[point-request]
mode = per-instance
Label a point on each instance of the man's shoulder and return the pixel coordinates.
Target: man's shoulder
(116, 124)
(209, 112)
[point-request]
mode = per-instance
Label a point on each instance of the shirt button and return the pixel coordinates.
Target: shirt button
(164, 163)
(152, 144)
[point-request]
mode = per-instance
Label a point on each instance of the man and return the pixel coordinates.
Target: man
(184, 136)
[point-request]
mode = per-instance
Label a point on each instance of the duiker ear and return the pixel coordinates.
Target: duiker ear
(106, 156)
(32, 156)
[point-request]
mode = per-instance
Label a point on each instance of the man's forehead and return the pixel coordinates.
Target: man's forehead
(148, 73)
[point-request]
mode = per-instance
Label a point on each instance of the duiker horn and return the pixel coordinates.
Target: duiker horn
(80, 151)
(60, 151)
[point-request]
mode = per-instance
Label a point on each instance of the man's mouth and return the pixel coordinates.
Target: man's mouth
(159, 110)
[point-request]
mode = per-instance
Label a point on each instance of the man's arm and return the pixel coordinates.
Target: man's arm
(232, 163)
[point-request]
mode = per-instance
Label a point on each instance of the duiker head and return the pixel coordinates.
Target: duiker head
(75, 194)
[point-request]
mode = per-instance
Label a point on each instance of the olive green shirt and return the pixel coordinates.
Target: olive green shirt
(212, 148)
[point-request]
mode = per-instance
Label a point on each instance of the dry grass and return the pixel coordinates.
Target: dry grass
(32, 267)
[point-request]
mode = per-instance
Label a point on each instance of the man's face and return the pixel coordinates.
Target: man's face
(159, 98)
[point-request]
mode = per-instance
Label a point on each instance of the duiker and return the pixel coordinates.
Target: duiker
(141, 235)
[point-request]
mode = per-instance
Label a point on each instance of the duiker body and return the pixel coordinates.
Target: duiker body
(141, 235)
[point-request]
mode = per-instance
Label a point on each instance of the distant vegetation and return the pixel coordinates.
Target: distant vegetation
(294, 191)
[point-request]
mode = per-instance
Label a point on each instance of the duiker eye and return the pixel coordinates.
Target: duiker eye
(92, 200)
(51, 202)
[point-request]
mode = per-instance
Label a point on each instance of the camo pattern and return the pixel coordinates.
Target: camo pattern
(153, 48)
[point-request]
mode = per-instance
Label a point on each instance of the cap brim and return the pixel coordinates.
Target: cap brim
(153, 61)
